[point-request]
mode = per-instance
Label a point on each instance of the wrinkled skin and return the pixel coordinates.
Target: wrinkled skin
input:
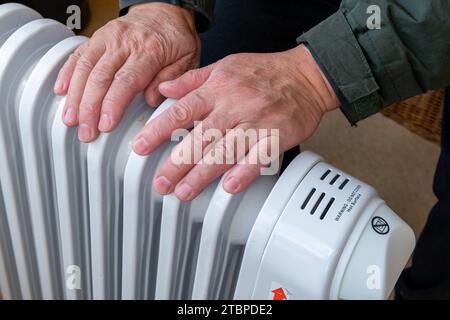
(153, 43)
(285, 91)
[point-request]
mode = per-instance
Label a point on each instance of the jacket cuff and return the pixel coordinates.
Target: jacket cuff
(341, 58)
(204, 10)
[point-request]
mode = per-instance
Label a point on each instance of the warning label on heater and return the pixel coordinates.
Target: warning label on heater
(350, 203)
(380, 225)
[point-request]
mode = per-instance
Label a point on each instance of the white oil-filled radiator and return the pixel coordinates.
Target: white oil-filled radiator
(82, 221)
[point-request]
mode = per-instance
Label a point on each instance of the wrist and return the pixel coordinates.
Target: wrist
(146, 8)
(310, 69)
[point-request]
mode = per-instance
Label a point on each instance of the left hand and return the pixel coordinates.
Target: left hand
(285, 91)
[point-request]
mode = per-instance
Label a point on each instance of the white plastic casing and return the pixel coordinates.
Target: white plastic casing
(323, 234)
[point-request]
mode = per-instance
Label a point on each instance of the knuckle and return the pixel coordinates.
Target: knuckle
(232, 59)
(129, 77)
(222, 75)
(174, 166)
(110, 100)
(191, 75)
(180, 112)
(100, 76)
(218, 118)
(88, 111)
(156, 132)
(203, 175)
(114, 26)
(114, 107)
(198, 99)
(199, 176)
(84, 64)
(79, 51)
(75, 56)
(156, 41)
(73, 97)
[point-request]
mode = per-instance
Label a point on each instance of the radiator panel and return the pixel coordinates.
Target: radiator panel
(227, 224)
(12, 17)
(70, 165)
(106, 160)
(9, 280)
(41, 34)
(142, 221)
(37, 112)
(181, 229)
(19, 54)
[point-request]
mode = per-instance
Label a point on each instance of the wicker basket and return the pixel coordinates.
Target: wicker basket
(420, 114)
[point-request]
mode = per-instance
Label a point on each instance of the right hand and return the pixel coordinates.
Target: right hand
(153, 43)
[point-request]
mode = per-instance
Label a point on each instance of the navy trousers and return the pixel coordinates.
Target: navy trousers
(273, 25)
(429, 275)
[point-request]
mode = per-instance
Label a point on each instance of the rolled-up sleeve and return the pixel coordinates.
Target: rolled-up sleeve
(204, 9)
(373, 66)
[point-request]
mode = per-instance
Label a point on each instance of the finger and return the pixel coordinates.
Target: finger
(190, 151)
(188, 82)
(152, 95)
(131, 78)
(248, 169)
(65, 74)
(220, 158)
(180, 115)
(96, 88)
(81, 73)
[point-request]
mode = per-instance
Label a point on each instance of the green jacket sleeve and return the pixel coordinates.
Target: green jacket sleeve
(204, 9)
(372, 65)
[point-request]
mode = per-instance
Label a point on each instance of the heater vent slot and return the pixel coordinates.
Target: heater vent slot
(313, 210)
(343, 184)
(308, 197)
(334, 179)
(325, 211)
(325, 174)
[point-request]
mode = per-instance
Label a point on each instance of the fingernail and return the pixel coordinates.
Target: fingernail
(105, 122)
(85, 133)
(232, 184)
(70, 116)
(140, 145)
(163, 185)
(184, 191)
(167, 83)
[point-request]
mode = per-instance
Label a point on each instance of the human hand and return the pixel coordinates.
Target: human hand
(153, 43)
(285, 91)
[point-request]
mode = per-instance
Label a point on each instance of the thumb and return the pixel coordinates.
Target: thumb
(186, 83)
